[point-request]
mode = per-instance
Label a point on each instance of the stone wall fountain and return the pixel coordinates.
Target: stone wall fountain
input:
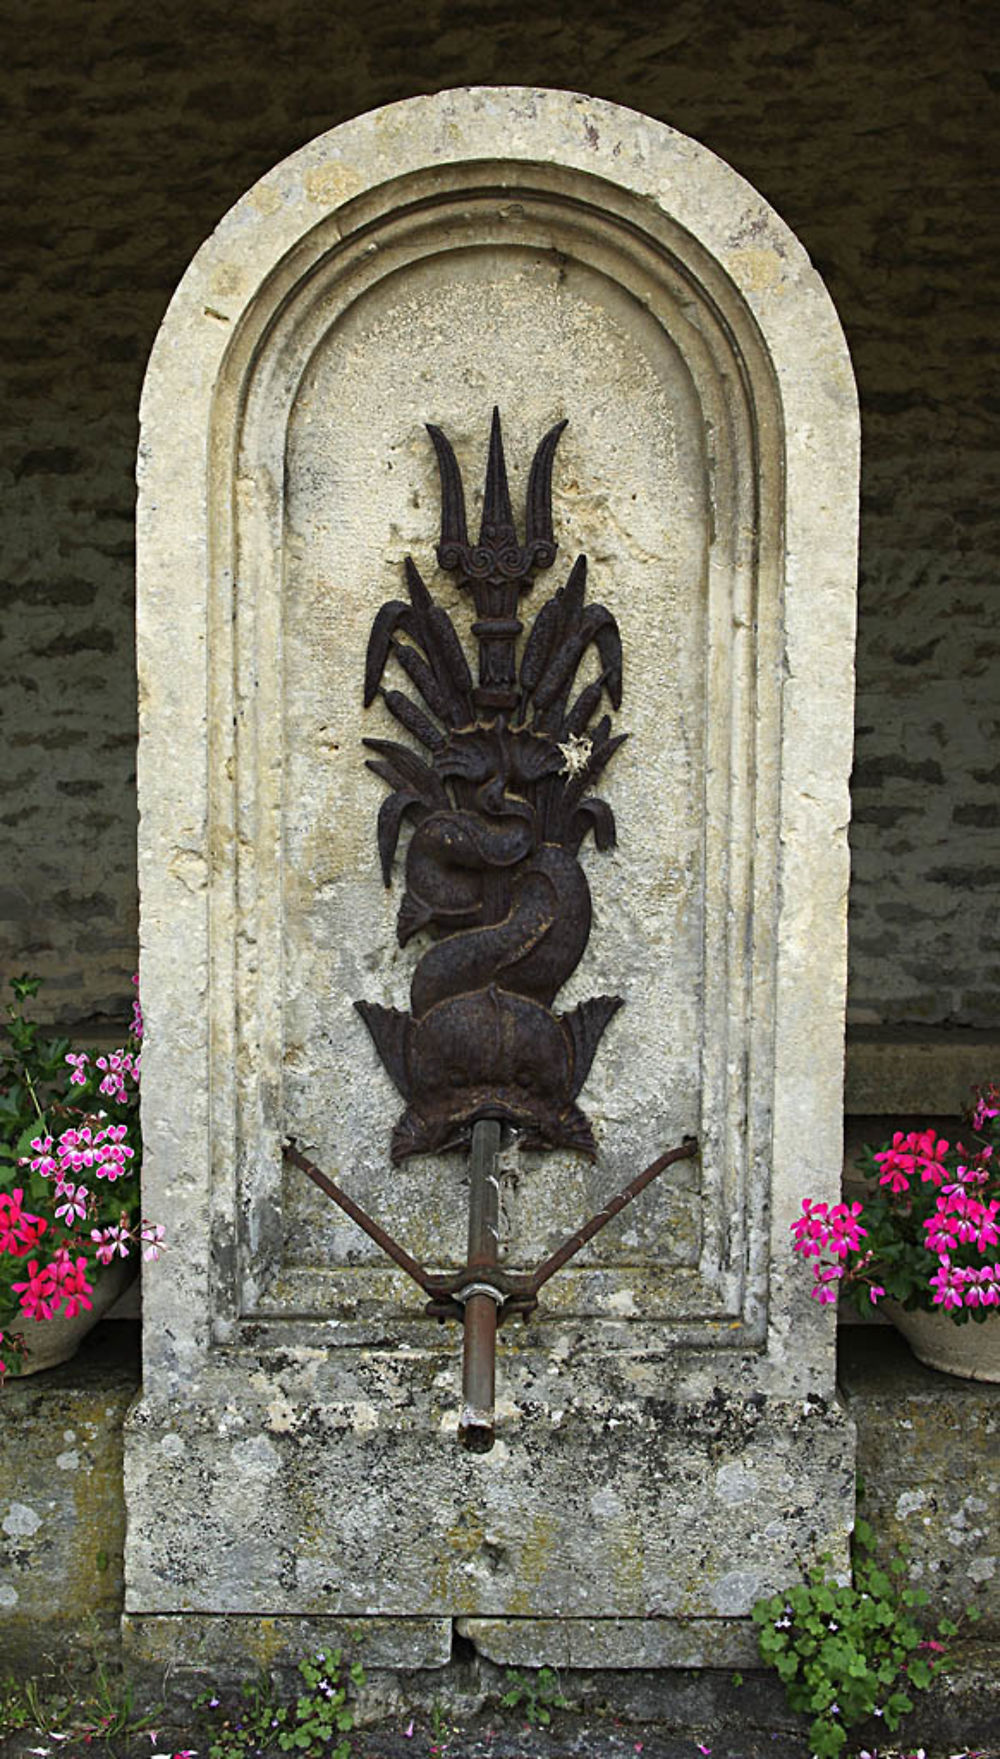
(521, 1003)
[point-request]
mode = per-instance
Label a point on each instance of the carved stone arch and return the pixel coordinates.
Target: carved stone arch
(564, 258)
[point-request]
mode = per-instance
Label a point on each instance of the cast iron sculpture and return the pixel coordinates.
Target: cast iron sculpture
(500, 806)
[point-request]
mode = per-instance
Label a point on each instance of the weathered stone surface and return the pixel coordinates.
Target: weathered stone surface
(611, 1643)
(604, 1493)
(213, 1647)
(929, 1460)
(606, 269)
(62, 1512)
(923, 1073)
(173, 1658)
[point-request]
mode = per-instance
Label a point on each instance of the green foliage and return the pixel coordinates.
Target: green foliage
(32, 1072)
(844, 1653)
(535, 1698)
(442, 1730)
(102, 1710)
(114, 1701)
(15, 1709)
(315, 1723)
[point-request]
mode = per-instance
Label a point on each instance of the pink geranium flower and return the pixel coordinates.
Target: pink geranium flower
(73, 1288)
(109, 1241)
(43, 1162)
(824, 1287)
(37, 1295)
(151, 1236)
(20, 1232)
(73, 1206)
(987, 1106)
(918, 1152)
(83, 1153)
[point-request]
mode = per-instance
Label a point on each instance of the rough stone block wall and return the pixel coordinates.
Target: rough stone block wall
(929, 1472)
(62, 1504)
(870, 127)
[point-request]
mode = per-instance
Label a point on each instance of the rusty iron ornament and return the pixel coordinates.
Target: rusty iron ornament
(482, 1295)
(500, 806)
(515, 1292)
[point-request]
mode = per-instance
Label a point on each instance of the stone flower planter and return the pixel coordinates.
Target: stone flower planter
(970, 1351)
(51, 1341)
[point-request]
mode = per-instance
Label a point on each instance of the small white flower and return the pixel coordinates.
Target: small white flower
(576, 751)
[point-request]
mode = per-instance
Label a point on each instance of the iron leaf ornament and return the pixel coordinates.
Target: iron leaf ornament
(499, 805)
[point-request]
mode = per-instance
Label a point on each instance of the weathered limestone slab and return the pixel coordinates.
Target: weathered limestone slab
(929, 1459)
(612, 1643)
(244, 1642)
(565, 1516)
(565, 259)
(62, 1513)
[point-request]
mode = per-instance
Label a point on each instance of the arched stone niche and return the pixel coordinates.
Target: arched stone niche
(668, 1437)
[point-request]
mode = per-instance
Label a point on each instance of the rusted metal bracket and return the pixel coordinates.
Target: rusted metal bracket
(481, 1294)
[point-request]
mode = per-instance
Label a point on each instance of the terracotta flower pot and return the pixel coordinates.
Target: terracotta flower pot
(971, 1351)
(47, 1342)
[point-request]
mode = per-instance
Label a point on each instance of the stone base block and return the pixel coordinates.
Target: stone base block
(608, 1497)
(613, 1643)
(176, 1657)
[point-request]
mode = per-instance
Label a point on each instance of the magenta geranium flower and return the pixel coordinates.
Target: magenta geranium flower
(928, 1233)
(37, 1295)
(19, 1231)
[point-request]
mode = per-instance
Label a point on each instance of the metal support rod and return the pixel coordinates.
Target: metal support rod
(384, 1241)
(475, 1426)
(569, 1248)
(517, 1293)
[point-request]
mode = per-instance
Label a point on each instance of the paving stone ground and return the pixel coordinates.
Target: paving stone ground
(490, 1737)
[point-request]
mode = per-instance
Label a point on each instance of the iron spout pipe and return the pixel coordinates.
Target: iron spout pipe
(476, 1422)
(475, 1427)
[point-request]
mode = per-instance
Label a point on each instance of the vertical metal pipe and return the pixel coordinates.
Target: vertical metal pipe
(475, 1425)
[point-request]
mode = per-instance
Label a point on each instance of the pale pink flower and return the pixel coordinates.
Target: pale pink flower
(151, 1234)
(74, 1204)
(43, 1162)
(110, 1240)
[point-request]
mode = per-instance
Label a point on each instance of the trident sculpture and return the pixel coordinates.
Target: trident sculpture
(499, 807)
